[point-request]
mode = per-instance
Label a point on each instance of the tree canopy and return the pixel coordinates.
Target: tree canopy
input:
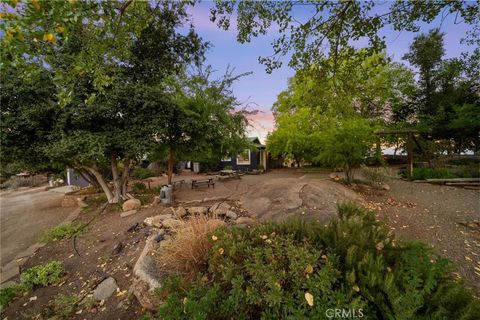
(111, 91)
(313, 30)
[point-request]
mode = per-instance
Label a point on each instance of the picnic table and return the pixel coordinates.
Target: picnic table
(202, 182)
(229, 174)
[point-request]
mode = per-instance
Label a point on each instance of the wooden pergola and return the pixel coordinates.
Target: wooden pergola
(410, 134)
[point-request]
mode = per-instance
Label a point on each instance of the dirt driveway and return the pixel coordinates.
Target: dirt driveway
(24, 215)
(279, 194)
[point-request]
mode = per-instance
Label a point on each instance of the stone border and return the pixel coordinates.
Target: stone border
(12, 269)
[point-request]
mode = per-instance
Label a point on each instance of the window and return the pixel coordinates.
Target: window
(244, 157)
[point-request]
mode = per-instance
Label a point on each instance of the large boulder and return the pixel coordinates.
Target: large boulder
(146, 276)
(131, 204)
(105, 289)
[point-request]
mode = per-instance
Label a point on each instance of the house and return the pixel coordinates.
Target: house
(250, 159)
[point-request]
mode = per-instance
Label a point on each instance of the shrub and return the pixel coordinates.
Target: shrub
(62, 307)
(375, 175)
(41, 275)
(432, 173)
(8, 294)
(140, 173)
(139, 187)
(298, 270)
(346, 145)
(186, 252)
(98, 200)
(62, 231)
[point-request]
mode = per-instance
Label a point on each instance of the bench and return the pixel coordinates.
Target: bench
(203, 182)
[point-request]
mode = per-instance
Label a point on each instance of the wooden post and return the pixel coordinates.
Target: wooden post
(409, 155)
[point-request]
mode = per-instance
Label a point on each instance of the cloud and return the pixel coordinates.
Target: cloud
(261, 124)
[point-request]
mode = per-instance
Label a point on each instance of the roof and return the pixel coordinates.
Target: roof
(256, 141)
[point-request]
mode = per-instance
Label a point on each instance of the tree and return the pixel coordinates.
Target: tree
(446, 95)
(102, 33)
(426, 53)
(104, 123)
(203, 125)
(346, 145)
(332, 25)
(295, 137)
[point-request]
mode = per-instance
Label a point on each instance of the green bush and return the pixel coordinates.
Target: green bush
(446, 173)
(41, 275)
(140, 173)
(8, 294)
(62, 231)
(139, 187)
(346, 145)
(269, 271)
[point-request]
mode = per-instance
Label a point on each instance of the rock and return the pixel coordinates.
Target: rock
(220, 209)
(156, 200)
(131, 204)
(171, 223)
(231, 215)
(117, 248)
(245, 220)
(145, 275)
(105, 289)
(156, 221)
(127, 213)
(180, 212)
(385, 186)
(197, 210)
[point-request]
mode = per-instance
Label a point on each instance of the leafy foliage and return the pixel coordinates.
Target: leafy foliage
(331, 24)
(346, 145)
(269, 271)
(141, 173)
(40, 275)
(10, 293)
(445, 173)
(63, 231)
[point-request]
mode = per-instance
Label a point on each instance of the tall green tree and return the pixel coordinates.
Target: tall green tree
(426, 53)
(204, 124)
(111, 121)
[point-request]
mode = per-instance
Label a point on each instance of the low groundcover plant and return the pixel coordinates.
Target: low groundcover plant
(306, 270)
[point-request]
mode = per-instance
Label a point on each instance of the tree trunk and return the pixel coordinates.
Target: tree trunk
(170, 165)
(125, 176)
(101, 181)
(88, 176)
(117, 183)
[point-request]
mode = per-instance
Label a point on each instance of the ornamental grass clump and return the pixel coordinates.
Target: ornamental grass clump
(186, 252)
(303, 269)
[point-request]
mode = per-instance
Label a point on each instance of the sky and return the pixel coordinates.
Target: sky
(259, 90)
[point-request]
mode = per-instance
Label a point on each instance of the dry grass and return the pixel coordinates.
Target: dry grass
(186, 252)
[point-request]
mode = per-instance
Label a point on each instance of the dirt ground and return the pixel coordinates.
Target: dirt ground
(24, 215)
(437, 215)
(414, 211)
